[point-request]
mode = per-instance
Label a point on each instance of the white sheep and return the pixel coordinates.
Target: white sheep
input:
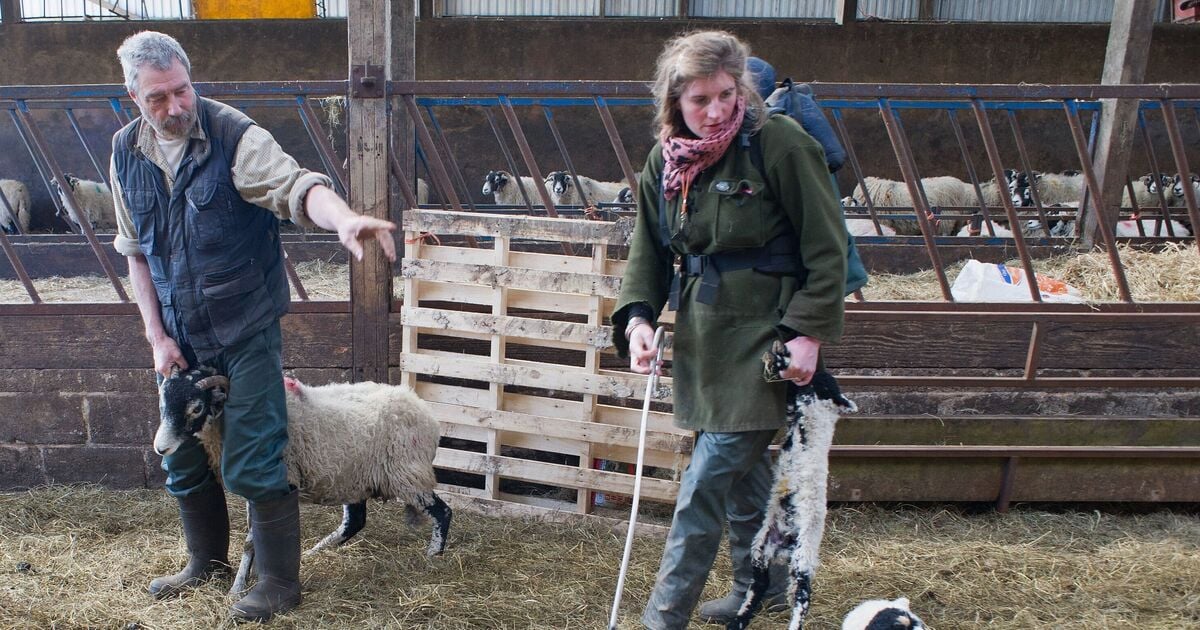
(1145, 191)
(15, 207)
(564, 193)
(422, 192)
(943, 191)
(1052, 188)
(96, 201)
(883, 613)
(347, 442)
(795, 522)
(1151, 227)
(499, 185)
(861, 226)
(1000, 231)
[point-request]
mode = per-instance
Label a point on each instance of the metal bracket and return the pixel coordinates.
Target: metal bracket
(367, 81)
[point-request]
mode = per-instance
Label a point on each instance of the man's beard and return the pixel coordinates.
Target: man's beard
(173, 127)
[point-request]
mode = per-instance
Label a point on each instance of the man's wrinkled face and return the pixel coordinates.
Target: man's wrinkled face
(166, 100)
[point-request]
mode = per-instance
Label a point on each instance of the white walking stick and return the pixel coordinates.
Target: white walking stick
(659, 337)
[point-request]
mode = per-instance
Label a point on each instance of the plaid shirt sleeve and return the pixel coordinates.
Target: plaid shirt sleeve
(267, 176)
(126, 241)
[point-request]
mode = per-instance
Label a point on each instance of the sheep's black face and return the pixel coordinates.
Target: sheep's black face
(494, 182)
(560, 182)
(186, 400)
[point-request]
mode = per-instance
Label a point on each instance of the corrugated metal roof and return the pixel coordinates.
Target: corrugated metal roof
(822, 9)
(520, 7)
(1079, 11)
(642, 8)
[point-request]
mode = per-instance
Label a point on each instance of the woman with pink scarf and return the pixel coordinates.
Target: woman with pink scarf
(740, 232)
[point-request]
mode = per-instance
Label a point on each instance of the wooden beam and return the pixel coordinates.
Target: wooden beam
(369, 40)
(845, 12)
(10, 11)
(925, 11)
(1124, 62)
(403, 68)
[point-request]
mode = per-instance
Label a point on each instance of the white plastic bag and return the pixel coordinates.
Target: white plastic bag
(993, 282)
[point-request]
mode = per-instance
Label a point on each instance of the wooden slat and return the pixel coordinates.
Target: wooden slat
(597, 432)
(527, 260)
(519, 226)
(552, 474)
(560, 378)
(513, 278)
(524, 328)
(459, 499)
(115, 341)
(517, 299)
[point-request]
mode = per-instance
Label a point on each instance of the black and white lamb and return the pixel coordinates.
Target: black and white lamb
(15, 206)
(564, 192)
(94, 199)
(883, 614)
(347, 442)
(499, 184)
(795, 521)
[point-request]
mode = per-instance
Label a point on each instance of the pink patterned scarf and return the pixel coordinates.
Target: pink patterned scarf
(685, 157)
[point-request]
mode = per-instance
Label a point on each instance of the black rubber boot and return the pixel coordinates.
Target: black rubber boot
(275, 529)
(206, 529)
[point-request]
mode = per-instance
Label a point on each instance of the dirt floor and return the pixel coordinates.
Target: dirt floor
(80, 557)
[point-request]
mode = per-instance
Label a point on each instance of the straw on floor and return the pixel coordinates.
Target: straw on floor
(76, 557)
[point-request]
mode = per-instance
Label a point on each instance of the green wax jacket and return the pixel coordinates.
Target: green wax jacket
(717, 369)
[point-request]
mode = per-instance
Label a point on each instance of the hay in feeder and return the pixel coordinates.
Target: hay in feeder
(1169, 274)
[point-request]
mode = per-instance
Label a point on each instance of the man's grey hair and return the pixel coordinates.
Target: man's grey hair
(153, 48)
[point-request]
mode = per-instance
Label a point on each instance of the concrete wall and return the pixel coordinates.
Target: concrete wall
(613, 49)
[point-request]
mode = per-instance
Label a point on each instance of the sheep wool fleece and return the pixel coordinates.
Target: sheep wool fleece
(718, 384)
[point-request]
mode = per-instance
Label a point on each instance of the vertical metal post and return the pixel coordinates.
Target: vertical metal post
(1025, 165)
(970, 165)
(1155, 171)
(856, 167)
(526, 152)
(993, 153)
(35, 135)
(1104, 227)
(433, 156)
(508, 159)
(920, 208)
(1181, 161)
(614, 137)
(445, 146)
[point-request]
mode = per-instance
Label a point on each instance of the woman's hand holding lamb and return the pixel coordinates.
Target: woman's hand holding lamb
(803, 351)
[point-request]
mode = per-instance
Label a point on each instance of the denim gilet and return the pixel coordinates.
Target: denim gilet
(216, 260)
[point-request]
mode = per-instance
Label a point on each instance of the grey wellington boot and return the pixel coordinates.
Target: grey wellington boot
(205, 521)
(275, 531)
(723, 610)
